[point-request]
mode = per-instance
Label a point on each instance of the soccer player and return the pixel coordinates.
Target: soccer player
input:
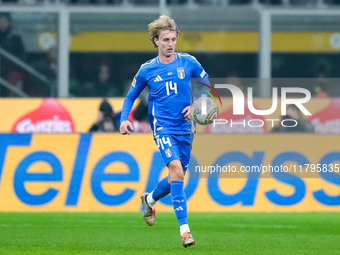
(168, 76)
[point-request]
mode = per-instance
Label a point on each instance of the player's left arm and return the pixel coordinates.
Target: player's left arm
(198, 73)
(187, 114)
(201, 77)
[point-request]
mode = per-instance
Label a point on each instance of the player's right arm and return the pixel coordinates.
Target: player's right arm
(125, 127)
(137, 85)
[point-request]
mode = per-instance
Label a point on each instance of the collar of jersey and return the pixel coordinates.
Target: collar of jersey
(158, 61)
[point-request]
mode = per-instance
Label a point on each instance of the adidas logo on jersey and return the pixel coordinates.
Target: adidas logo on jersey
(158, 78)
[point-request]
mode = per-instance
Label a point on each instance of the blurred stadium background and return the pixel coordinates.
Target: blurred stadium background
(51, 96)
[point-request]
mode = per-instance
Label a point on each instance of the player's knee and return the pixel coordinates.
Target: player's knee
(176, 171)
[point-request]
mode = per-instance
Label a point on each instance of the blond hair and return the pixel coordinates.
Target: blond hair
(162, 23)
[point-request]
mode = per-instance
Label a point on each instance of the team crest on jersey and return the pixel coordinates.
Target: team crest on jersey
(133, 82)
(180, 72)
(168, 153)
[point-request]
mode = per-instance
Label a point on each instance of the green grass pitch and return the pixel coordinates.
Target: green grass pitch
(127, 233)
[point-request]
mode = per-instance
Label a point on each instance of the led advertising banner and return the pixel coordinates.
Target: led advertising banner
(109, 172)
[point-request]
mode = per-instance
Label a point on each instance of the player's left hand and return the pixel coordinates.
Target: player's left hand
(186, 112)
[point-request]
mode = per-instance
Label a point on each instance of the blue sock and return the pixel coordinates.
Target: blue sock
(179, 202)
(162, 189)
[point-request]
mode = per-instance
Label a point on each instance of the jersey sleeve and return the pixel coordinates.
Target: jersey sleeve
(137, 85)
(201, 77)
(198, 70)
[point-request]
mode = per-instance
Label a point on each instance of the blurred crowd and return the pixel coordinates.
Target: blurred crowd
(109, 74)
(11, 43)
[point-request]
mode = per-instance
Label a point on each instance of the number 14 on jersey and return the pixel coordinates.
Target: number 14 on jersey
(170, 86)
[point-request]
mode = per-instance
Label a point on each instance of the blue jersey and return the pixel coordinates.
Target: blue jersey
(169, 92)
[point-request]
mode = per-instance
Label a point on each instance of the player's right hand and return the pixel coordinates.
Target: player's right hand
(125, 127)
